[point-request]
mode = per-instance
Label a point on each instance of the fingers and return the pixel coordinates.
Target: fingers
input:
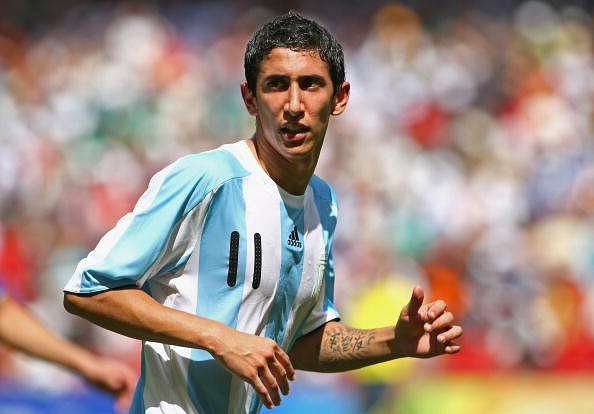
(452, 349)
(261, 390)
(123, 402)
(123, 387)
(281, 376)
(260, 362)
(435, 309)
(416, 300)
(282, 369)
(128, 394)
(453, 333)
(430, 311)
(285, 361)
(444, 320)
(271, 384)
(274, 373)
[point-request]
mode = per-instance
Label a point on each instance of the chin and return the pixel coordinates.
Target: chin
(304, 151)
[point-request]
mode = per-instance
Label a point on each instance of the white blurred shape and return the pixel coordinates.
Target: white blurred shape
(135, 40)
(537, 21)
(70, 118)
(453, 85)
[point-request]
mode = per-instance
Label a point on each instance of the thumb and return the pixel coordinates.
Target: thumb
(416, 300)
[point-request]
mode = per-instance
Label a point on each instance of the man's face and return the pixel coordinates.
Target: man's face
(293, 101)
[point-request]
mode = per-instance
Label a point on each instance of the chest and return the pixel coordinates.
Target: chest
(254, 242)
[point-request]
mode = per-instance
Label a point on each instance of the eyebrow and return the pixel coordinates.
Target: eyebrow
(279, 77)
(317, 78)
(275, 77)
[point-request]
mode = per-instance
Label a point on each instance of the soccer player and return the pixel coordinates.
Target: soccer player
(24, 332)
(224, 268)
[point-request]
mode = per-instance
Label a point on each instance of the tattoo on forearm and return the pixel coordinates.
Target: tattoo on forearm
(343, 343)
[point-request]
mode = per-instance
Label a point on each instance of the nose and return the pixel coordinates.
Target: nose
(294, 105)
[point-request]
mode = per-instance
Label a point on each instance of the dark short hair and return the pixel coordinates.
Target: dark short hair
(295, 32)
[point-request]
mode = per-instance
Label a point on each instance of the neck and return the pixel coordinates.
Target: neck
(291, 175)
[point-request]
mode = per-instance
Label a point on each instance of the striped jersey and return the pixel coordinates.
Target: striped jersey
(214, 236)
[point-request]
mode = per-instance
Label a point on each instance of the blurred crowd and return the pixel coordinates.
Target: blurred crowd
(464, 162)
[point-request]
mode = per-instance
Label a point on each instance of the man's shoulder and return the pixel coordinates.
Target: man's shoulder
(212, 167)
(193, 176)
(325, 200)
(322, 189)
(217, 162)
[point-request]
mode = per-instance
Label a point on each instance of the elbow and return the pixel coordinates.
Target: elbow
(72, 303)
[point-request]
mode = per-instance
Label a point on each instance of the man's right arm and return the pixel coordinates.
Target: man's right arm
(132, 312)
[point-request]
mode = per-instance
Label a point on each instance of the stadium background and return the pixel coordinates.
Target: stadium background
(464, 162)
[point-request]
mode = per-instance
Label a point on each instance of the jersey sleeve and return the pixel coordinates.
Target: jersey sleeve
(325, 310)
(156, 237)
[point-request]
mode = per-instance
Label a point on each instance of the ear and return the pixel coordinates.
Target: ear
(341, 98)
(249, 99)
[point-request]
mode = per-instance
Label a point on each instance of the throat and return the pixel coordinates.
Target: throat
(291, 175)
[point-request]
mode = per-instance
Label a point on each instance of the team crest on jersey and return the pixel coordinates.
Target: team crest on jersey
(294, 238)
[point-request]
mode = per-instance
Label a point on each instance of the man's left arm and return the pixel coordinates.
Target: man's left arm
(422, 331)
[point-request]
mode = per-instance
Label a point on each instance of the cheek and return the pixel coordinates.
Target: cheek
(269, 111)
(265, 119)
(321, 112)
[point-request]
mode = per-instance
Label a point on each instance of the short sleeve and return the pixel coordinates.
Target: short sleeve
(159, 235)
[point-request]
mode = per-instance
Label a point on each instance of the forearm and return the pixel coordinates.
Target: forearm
(133, 313)
(337, 347)
(21, 330)
(259, 361)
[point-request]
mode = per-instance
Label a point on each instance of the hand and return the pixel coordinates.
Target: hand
(114, 377)
(258, 361)
(424, 331)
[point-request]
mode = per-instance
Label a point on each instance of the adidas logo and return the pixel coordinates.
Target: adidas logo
(294, 238)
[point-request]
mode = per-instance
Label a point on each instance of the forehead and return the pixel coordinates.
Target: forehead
(282, 61)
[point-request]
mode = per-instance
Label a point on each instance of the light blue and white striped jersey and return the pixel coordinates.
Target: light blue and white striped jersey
(214, 236)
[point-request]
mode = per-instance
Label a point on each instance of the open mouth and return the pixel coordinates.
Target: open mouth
(293, 132)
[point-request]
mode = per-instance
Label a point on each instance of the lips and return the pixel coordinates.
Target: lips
(293, 134)
(293, 129)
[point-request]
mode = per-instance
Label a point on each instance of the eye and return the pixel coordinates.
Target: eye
(311, 82)
(276, 83)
